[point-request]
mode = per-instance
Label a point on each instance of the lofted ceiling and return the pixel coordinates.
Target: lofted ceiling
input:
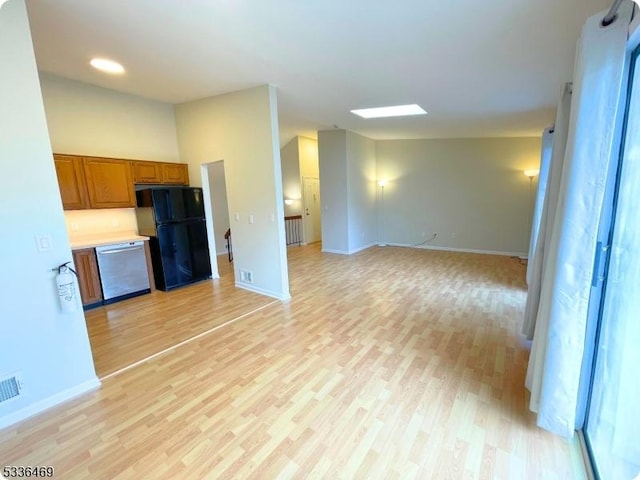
(491, 68)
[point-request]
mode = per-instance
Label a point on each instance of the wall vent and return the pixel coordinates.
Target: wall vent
(246, 276)
(10, 387)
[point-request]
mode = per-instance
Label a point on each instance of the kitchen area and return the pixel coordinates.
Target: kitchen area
(132, 142)
(137, 234)
(58, 353)
(104, 198)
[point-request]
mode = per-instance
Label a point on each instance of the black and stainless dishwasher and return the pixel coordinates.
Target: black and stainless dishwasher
(123, 270)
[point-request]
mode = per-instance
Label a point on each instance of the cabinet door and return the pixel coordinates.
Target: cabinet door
(109, 183)
(147, 172)
(73, 190)
(88, 275)
(175, 173)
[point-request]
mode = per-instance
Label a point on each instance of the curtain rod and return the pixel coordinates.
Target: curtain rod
(610, 17)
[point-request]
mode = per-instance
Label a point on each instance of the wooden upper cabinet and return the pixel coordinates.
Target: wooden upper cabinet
(160, 173)
(73, 190)
(109, 183)
(175, 173)
(88, 275)
(95, 182)
(147, 172)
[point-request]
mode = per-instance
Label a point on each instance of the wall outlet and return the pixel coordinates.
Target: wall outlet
(454, 234)
(423, 234)
(246, 276)
(74, 226)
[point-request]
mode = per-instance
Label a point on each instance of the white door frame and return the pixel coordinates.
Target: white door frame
(208, 213)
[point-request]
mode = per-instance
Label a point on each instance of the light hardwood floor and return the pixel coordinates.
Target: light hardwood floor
(391, 363)
(126, 332)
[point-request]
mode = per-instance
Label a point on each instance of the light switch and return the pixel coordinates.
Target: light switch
(237, 216)
(272, 217)
(251, 219)
(44, 242)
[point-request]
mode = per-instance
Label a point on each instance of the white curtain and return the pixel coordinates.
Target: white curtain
(553, 374)
(541, 254)
(545, 163)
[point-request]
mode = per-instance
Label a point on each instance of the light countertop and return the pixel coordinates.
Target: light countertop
(98, 240)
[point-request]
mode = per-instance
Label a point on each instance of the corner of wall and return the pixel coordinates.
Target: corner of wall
(49, 349)
(215, 128)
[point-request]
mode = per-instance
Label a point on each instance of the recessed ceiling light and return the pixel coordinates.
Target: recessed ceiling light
(395, 111)
(105, 65)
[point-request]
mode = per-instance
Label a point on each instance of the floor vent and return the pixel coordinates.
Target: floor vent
(10, 388)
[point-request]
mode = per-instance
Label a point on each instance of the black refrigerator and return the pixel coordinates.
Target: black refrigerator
(173, 219)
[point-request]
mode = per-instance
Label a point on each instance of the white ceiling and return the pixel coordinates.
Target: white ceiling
(491, 68)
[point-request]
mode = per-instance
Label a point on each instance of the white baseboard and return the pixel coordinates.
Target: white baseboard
(461, 250)
(348, 252)
(52, 401)
(359, 249)
(263, 291)
(339, 252)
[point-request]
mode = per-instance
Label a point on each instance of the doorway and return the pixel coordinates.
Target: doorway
(216, 213)
(612, 421)
(312, 211)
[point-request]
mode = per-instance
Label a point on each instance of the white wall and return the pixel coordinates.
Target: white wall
(309, 168)
(308, 154)
(219, 205)
(347, 191)
(471, 192)
(241, 128)
(291, 187)
(332, 153)
(361, 183)
(88, 120)
(299, 159)
(50, 350)
(83, 119)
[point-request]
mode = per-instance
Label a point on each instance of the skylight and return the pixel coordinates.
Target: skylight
(394, 111)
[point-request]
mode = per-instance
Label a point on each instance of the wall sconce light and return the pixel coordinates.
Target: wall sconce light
(532, 172)
(2, 2)
(288, 201)
(382, 183)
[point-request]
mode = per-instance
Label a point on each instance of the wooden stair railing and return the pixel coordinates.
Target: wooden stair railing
(293, 229)
(227, 237)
